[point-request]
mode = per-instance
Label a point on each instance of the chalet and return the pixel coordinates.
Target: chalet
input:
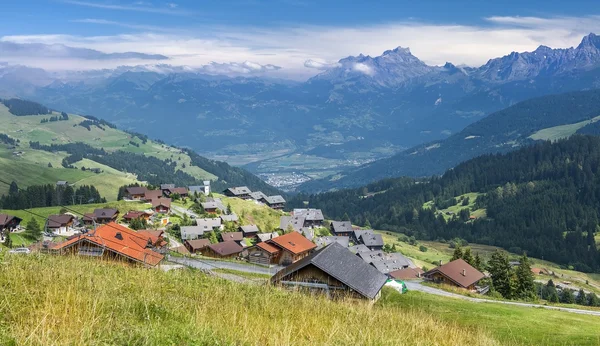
(262, 237)
(212, 205)
(161, 205)
(407, 274)
(324, 241)
(389, 265)
(335, 271)
(165, 187)
(372, 241)
(152, 195)
(342, 228)
(232, 236)
(240, 192)
(104, 215)
(8, 223)
(263, 253)
(136, 192)
(456, 273)
(358, 248)
(274, 202)
(296, 223)
(358, 233)
(134, 214)
(210, 224)
(156, 238)
(230, 218)
(249, 231)
(257, 196)
(196, 245)
(294, 247)
(181, 191)
(193, 232)
(112, 241)
(392, 261)
(203, 189)
(312, 217)
(228, 249)
(60, 224)
(308, 233)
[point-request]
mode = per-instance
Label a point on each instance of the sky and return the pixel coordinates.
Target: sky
(283, 38)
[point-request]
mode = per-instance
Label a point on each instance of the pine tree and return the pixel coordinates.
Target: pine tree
(592, 299)
(457, 253)
(553, 296)
(566, 296)
(550, 283)
(33, 229)
(477, 263)
(346, 217)
(525, 287)
(368, 224)
(13, 190)
(8, 240)
(501, 273)
(581, 298)
(212, 236)
(468, 257)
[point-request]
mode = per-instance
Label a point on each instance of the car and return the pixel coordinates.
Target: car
(20, 250)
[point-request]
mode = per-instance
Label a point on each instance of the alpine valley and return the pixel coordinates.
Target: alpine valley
(361, 110)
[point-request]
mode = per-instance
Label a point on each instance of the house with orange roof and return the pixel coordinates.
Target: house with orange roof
(115, 242)
(292, 248)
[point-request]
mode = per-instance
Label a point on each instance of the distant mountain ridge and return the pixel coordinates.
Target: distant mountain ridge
(361, 109)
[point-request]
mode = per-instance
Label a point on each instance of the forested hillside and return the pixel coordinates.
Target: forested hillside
(543, 199)
(23, 107)
(501, 131)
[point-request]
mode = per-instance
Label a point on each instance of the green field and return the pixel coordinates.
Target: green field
(508, 324)
(455, 209)
(562, 131)
(32, 166)
(251, 213)
(54, 300)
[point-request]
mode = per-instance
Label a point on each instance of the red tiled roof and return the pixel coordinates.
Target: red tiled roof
(293, 242)
(129, 244)
(268, 247)
(460, 272)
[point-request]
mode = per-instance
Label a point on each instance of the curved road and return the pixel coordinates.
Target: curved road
(417, 286)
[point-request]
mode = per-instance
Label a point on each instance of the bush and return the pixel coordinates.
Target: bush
(422, 248)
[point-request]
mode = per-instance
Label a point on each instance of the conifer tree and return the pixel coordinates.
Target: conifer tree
(501, 273)
(457, 253)
(33, 229)
(581, 298)
(467, 256)
(525, 287)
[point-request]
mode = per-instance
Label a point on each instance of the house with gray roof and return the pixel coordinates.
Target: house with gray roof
(267, 236)
(357, 233)
(372, 240)
(203, 189)
(358, 248)
(242, 192)
(388, 266)
(211, 205)
(257, 195)
(342, 228)
(202, 226)
(230, 218)
(296, 222)
(308, 233)
(312, 217)
(274, 202)
(334, 270)
(249, 231)
(324, 241)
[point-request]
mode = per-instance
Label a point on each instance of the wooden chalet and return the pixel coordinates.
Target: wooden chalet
(113, 241)
(456, 273)
(8, 223)
(342, 228)
(336, 272)
(292, 247)
(228, 249)
(249, 231)
(60, 224)
(196, 245)
(135, 214)
(136, 192)
(161, 205)
(181, 191)
(242, 192)
(274, 202)
(152, 195)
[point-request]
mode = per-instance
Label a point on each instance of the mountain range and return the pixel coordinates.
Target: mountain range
(359, 110)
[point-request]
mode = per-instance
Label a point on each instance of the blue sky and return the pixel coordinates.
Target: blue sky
(288, 33)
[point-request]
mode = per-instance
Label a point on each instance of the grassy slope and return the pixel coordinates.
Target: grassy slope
(455, 209)
(33, 165)
(251, 213)
(509, 324)
(562, 131)
(68, 300)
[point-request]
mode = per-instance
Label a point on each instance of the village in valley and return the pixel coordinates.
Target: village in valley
(172, 227)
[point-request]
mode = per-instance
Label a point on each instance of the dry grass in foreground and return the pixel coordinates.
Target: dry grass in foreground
(51, 300)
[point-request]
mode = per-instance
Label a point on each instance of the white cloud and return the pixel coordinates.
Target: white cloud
(366, 69)
(234, 68)
(139, 6)
(301, 51)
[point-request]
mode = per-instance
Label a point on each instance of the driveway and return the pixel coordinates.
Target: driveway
(418, 286)
(216, 264)
(180, 210)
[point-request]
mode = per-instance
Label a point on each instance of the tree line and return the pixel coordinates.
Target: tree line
(20, 107)
(543, 200)
(36, 196)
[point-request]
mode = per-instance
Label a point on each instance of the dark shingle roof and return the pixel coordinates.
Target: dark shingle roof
(249, 229)
(226, 248)
(257, 195)
(239, 190)
(324, 241)
(137, 190)
(275, 199)
(342, 227)
(309, 214)
(371, 239)
(337, 261)
(358, 248)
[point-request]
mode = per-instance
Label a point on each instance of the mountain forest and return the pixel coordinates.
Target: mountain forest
(543, 200)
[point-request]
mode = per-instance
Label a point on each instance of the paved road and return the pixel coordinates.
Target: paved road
(417, 286)
(215, 264)
(180, 210)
